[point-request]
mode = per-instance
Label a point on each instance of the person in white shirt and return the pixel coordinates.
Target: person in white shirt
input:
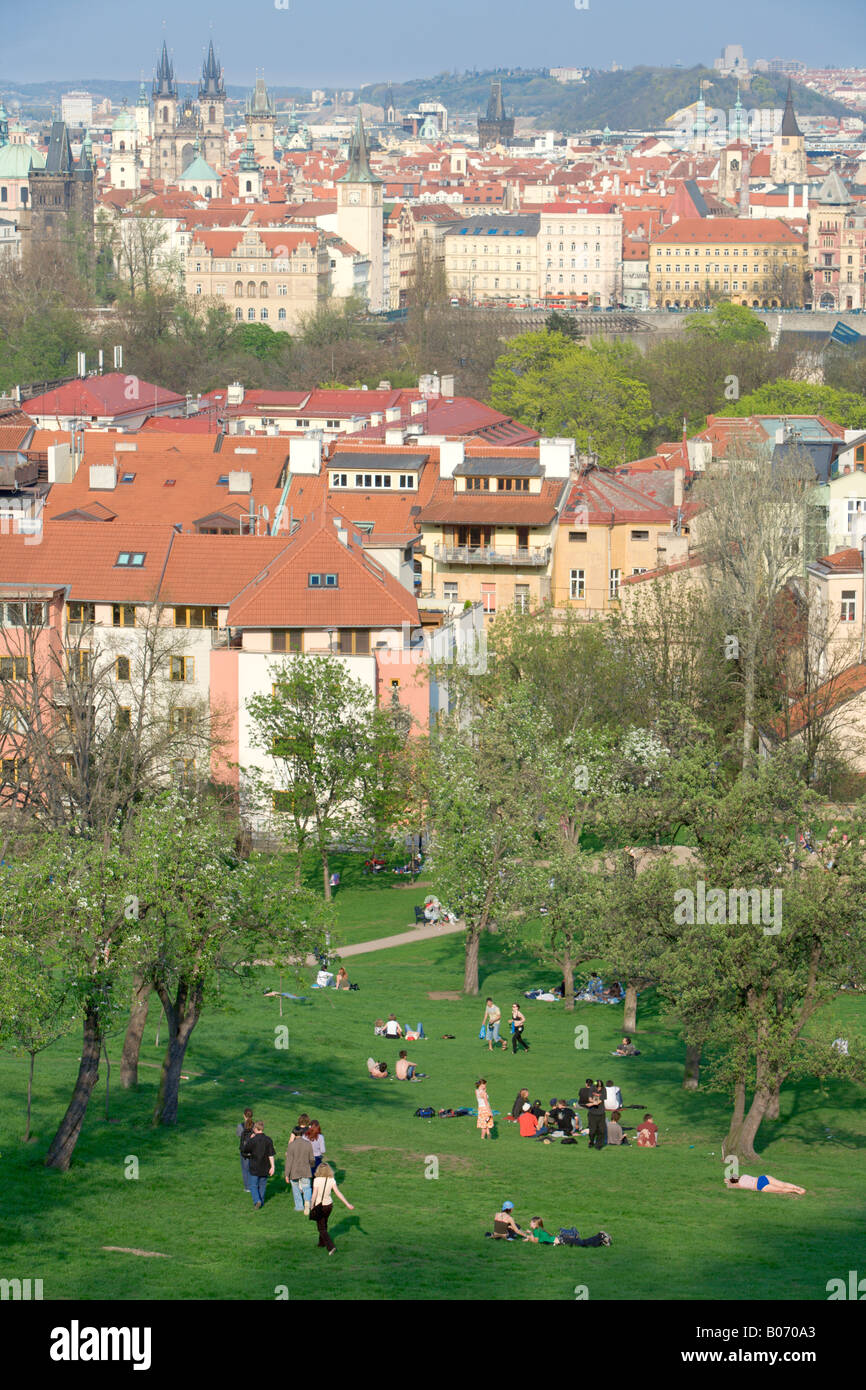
(325, 1189)
(612, 1096)
(490, 1021)
(392, 1028)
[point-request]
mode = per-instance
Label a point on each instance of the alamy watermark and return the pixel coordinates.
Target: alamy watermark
(738, 906)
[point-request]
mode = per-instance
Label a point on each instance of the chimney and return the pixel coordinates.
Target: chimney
(679, 474)
(240, 480)
(451, 453)
(305, 454)
(392, 414)
(103, 477)
(790, 197)
(394, 436)
(447, 385)
(744, 189)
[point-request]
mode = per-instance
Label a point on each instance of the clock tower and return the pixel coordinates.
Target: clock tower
(360, 217)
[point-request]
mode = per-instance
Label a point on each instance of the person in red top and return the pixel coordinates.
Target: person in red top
(527, 1123)
(648, 1133)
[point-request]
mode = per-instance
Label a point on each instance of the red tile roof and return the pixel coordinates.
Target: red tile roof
(111, 396)
(732, 229)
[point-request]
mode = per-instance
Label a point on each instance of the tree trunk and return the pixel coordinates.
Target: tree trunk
(134, 1032)
(741, 1138)
(749, 711)
(326, 875)
(692, 1075)
(63, 1144)
(107, 1077)
(629, 1020)
(470, 970)
(568, 978)
(773, 1103)
(29, 1095)
(181, 1019)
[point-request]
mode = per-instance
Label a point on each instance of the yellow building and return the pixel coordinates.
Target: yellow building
(756, 261)
(613, 528)
(493, 258)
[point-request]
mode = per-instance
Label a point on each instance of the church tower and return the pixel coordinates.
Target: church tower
(250, 182)
(788, 159)
(124, 166)
(142, 118)
(360, 218)
(495, 128)
(261, 124)
(212, 108)
(61, 193)
(162, 155)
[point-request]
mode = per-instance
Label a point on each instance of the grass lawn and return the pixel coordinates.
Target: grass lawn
(677, 1233)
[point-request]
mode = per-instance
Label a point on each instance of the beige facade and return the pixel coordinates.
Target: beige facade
(592, 560)
(580, 253)
(759, 262)
(493, 258)
(272, 277)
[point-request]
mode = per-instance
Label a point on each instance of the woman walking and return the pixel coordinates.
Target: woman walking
(317, 1139)
(485, 1114)
(299, 1165)
(518, 1023)
(325, 1189)
(244, 1132)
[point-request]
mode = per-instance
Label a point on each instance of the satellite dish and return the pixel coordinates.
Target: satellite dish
(265, 514)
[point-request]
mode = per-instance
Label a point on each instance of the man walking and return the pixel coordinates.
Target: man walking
(299, 1170)
(259, 1149)
(492, 1015)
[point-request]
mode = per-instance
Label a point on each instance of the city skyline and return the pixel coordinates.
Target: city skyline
(388, 40)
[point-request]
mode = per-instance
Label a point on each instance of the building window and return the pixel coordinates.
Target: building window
(79, 664)
(407, 481)
(488, 597)
(13, 668)
(354, 642)
(123, 615)
(512, 484)
(640, 535)
(577, 583)
(339, 480)
(449, 591)
(130, 559)
(195, 617)
(182, 668)
(281, 313)
(849, 598)
(323, 581)
(613, 589)
(477, 484)
(181, 717)
(80, 612)
(121, 668)
(521, 598)
(577, 535)
(123, 718)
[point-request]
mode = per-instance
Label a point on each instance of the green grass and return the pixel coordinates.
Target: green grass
(677, 1233)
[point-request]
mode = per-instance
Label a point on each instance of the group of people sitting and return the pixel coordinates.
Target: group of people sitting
(603, 1104)
(593, 992)
(506, 1228)
(326, 979)
(404, 1070)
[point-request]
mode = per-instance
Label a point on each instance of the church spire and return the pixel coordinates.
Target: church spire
(359, 170)
(211, 84)
(164, 84)
(789, 120)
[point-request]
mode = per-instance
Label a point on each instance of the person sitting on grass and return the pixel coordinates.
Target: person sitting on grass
(406, 1070)
(648, 1133)
(615, 1133)
(342, 981)
(521, 1102)
(392, 1028)
(626, 1049)
(378, 1070)
(746, 1183)
(527, 1123)
(504, 1225)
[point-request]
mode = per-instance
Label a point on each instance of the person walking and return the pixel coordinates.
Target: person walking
(518, 1023)
(317, 1139)
(325, 1189)
(482, 1104)
(244, 1132)
(595, 1114)
(299, 1165)
(259, 1149)
(490, 1021)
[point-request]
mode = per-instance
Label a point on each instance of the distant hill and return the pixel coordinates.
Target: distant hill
(634, 99)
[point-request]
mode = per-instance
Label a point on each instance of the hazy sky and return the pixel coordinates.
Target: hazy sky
(321, 42)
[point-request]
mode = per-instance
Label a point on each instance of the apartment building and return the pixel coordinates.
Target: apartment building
(493, 258)
(761, 263)
(273, 277)
(580, 253)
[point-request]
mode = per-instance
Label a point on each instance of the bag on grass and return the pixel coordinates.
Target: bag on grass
(425, 1112)
(569, 1235)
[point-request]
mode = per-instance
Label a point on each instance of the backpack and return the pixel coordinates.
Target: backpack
(569, 1235)
(425, 1112)
(244, 1135)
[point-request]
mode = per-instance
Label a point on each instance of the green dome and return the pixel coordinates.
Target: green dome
(16, 161)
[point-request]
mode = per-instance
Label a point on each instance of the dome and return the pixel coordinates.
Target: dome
(16, 161)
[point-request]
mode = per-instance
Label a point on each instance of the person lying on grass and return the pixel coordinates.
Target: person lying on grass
(378, 1070)
(746, 1183)
(539, 1236)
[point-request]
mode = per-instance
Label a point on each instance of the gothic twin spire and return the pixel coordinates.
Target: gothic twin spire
(211, 84)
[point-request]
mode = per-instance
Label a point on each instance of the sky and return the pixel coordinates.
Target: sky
(349, 42)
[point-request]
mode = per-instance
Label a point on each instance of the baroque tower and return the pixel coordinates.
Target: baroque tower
(212, 109)
(261, 124)
(788, 159)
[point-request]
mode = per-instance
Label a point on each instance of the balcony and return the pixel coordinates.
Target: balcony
(489, 555)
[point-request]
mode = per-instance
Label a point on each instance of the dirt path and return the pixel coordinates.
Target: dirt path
(382, 943)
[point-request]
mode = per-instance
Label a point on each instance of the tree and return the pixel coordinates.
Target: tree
(592, 393)
(321, 740)
(751, 534)
(203, 912)
(728, 323)
(482, 817)
(32, 1012)
(802, 398)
